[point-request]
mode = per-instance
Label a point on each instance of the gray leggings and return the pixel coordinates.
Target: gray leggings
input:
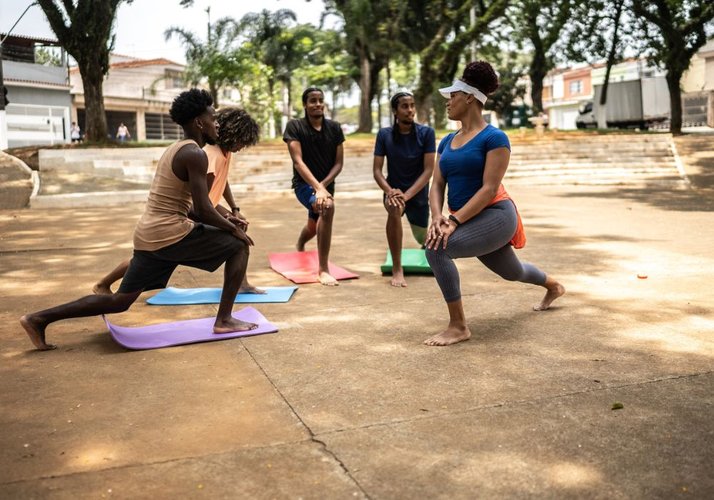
(485, 237)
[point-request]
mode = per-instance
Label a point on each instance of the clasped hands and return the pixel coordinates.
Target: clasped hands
(241, 227)
(323, 200)
(396, 198)
(439, 232)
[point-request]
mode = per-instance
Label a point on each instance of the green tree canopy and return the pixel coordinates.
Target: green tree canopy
(214, 59)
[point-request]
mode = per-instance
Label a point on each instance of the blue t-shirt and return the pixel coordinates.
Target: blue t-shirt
(405, 156)
(462, 168)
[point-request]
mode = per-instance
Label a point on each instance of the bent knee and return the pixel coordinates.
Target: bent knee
(511, 274)
(394, 210)
(122, 301)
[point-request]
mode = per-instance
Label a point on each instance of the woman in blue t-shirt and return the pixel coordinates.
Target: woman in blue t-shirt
(483, 221)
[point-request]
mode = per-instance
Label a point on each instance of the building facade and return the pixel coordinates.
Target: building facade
(39, 102)
(564, 92)
(137, 93)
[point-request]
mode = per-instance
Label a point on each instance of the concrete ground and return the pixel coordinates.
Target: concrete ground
(345, 401)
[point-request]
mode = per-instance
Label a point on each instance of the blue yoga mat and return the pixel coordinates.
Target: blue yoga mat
(181, 296)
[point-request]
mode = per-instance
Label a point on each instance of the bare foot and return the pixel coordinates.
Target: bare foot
(398, 278)
(248, 288)
(327, 279)
(452, 335)
(299, 246)
(233, 325)
(553, 293)
(36, 331)
(101, 289)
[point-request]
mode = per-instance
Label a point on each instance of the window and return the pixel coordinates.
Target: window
(174, 79)
(576, 87)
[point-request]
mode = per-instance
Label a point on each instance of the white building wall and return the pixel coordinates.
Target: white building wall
(558, 87)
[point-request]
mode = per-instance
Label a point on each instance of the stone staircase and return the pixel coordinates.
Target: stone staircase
(572, 158)
(556, 158)
(633, 159)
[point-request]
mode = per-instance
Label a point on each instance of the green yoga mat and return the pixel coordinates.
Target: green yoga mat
(413, 262)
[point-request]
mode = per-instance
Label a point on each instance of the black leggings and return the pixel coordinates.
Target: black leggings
(485, 237)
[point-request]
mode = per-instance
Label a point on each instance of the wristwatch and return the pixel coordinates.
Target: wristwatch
(453, 218)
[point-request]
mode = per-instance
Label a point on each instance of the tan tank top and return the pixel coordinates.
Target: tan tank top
(165, 219)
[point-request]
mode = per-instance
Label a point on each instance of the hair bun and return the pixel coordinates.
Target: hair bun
(481, 75)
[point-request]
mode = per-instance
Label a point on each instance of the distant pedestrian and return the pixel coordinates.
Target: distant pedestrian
(123, 134)
(75, 133)
(483, 220)
(410, 149)
(315, 147)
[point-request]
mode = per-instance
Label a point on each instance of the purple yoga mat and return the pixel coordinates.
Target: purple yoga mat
(185, 332)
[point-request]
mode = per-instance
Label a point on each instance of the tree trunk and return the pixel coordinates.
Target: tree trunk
(96, 118)
(335, 93)
(422, 94)
(675, 101)
(365, 103)
(213, 89)
(378, 94)
(537, 75)
(602, 109)
(271, 109)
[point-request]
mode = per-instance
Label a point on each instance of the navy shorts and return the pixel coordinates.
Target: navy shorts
(205, 247)
(416, 209)
(306, 196)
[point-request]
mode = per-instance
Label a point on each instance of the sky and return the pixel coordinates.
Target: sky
(140, 25)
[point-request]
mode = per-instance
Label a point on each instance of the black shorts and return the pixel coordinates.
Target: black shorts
(205, 247)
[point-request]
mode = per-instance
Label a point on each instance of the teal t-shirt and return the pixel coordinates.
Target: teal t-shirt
(462, 168)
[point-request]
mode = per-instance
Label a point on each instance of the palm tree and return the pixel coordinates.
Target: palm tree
(272, 40)
(216, 60)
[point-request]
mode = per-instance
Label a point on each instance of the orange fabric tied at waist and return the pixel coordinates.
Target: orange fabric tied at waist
(519, 238)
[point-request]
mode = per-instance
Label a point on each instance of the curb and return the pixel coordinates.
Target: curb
(88, 200)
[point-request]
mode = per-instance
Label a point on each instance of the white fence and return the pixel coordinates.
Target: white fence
(30, 124)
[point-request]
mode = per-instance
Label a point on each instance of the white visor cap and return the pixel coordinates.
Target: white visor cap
(462, 86)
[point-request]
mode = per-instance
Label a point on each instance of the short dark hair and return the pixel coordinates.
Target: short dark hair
(190, 104)
(481, 75)
(307, 92)
(235, 126)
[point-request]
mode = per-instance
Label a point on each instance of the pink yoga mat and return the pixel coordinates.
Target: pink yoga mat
(301, 267)
(185, 332)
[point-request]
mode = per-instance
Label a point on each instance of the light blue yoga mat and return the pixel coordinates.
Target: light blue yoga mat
(181, 296)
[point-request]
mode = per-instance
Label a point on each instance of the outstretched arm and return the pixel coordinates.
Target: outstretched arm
(336, 168)
(191, 164)
(322, 195)
(423, 179)
(395, 197)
